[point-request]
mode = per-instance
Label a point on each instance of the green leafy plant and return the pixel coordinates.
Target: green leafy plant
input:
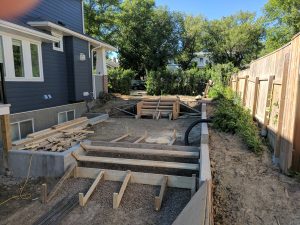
(119, 80)
(231, 117)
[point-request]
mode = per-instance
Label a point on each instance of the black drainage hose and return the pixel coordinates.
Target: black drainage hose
(187, 132)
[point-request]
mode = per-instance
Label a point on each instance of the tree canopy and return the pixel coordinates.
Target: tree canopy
(282, 21)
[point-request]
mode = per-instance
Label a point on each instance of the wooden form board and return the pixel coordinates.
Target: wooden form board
(84, 198)
(145, 145)
(137, 151)
(137, 162)
(195, 211)
(117, 197)
(6, 138)
(136, 177)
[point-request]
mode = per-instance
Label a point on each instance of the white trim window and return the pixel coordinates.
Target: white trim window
(20, 129)
(22, 58)
(65, 116)
(58, 46)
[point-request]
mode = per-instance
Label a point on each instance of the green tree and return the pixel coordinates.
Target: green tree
(282, 20)
(147, 36)
(190, 39)
(100, 18)
(236, 39)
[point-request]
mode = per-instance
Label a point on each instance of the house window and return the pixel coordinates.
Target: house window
(21, 129)
(35, 60)
(18, 58)
(58, 46)
(66, 116)
(22, 59)
(201, 60)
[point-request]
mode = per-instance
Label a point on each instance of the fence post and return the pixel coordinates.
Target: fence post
(237, 85)
(245, 90)
(255, 96)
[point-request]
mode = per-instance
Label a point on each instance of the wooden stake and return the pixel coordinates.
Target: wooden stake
(141, 138)
(120, 138)
(173, 138)
(117, 197)
(159, 199)
(84, 198)
(44, 193)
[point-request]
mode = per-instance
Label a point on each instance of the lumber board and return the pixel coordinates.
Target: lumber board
(137, 162)
(120, 138)
(117, 197)
(67, 174)
(141, 138)
(195, 110)
(136, 177)
(158, 199)
(146, 145)
(195, 211)
(70, 123)
(137, 151)
(84, 198)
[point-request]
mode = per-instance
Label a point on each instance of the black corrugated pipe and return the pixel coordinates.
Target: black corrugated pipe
(187, 132)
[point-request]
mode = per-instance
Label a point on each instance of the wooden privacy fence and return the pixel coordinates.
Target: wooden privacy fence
(269, 88)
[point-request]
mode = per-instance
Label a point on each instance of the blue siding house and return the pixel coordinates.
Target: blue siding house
(46, 66)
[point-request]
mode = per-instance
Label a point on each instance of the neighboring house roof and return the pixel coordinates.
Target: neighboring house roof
(26, 31)
(46, 25)
(112, 64)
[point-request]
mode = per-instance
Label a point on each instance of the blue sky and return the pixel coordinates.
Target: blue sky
(213, 9)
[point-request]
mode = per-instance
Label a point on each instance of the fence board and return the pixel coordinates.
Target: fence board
(272, 95)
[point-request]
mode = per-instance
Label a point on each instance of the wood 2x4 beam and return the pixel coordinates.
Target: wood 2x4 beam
(117, 197)
(159, 199)
(84, 198)
(137, 151)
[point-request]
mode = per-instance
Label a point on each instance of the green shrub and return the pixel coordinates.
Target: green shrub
(231, 117)
(119, 80)
(220, 74)
(189, 82)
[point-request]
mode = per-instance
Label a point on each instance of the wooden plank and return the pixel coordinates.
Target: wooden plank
(84, 198)
(138, 151)
(117, 197)
(6, 138)
(195, 211)
(120, 138)
(146, 145)
(44, 193)
(281, 105)
(67, 174)
(141, 138)
(136, 177)
(137, 162)
(158, 199)
(70, 123)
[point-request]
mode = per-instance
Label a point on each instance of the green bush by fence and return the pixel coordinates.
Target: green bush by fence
(119, 80)
(189, 82)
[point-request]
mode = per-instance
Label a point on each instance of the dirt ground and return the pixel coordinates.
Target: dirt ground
(137, 206)
(249, 189)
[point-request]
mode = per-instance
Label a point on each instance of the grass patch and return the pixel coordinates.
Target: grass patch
(231, 117)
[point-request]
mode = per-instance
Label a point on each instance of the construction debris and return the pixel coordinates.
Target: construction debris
(58, 138)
